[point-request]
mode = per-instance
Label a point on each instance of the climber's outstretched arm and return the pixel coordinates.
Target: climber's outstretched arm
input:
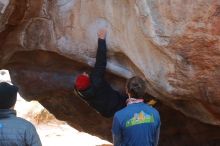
(98, 72)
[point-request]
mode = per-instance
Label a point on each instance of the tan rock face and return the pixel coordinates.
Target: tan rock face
(173, 44)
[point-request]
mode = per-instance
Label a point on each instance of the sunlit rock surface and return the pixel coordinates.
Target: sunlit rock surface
(173, 44)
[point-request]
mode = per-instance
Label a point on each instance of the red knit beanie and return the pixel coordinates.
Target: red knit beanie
(82, 82)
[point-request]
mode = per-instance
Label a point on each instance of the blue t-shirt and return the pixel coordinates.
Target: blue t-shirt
(137, 124)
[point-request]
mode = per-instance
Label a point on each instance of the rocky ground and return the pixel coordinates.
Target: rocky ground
(52, 131)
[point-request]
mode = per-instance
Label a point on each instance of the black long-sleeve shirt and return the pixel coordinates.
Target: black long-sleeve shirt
(101, 95)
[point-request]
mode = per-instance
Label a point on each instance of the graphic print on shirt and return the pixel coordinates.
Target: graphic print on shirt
(140, 118)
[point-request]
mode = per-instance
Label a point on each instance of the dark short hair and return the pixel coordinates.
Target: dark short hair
(136, 87)
(8, 95)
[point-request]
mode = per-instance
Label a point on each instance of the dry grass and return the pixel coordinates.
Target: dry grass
(44, 117)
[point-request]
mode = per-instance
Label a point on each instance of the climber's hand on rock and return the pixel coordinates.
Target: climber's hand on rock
(102, 33)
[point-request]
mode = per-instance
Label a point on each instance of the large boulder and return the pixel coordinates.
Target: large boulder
(174, 45)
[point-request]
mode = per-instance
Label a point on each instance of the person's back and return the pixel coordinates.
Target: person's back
(14, 131)
(138, 124)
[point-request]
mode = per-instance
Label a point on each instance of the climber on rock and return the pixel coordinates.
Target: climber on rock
(93, 87)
